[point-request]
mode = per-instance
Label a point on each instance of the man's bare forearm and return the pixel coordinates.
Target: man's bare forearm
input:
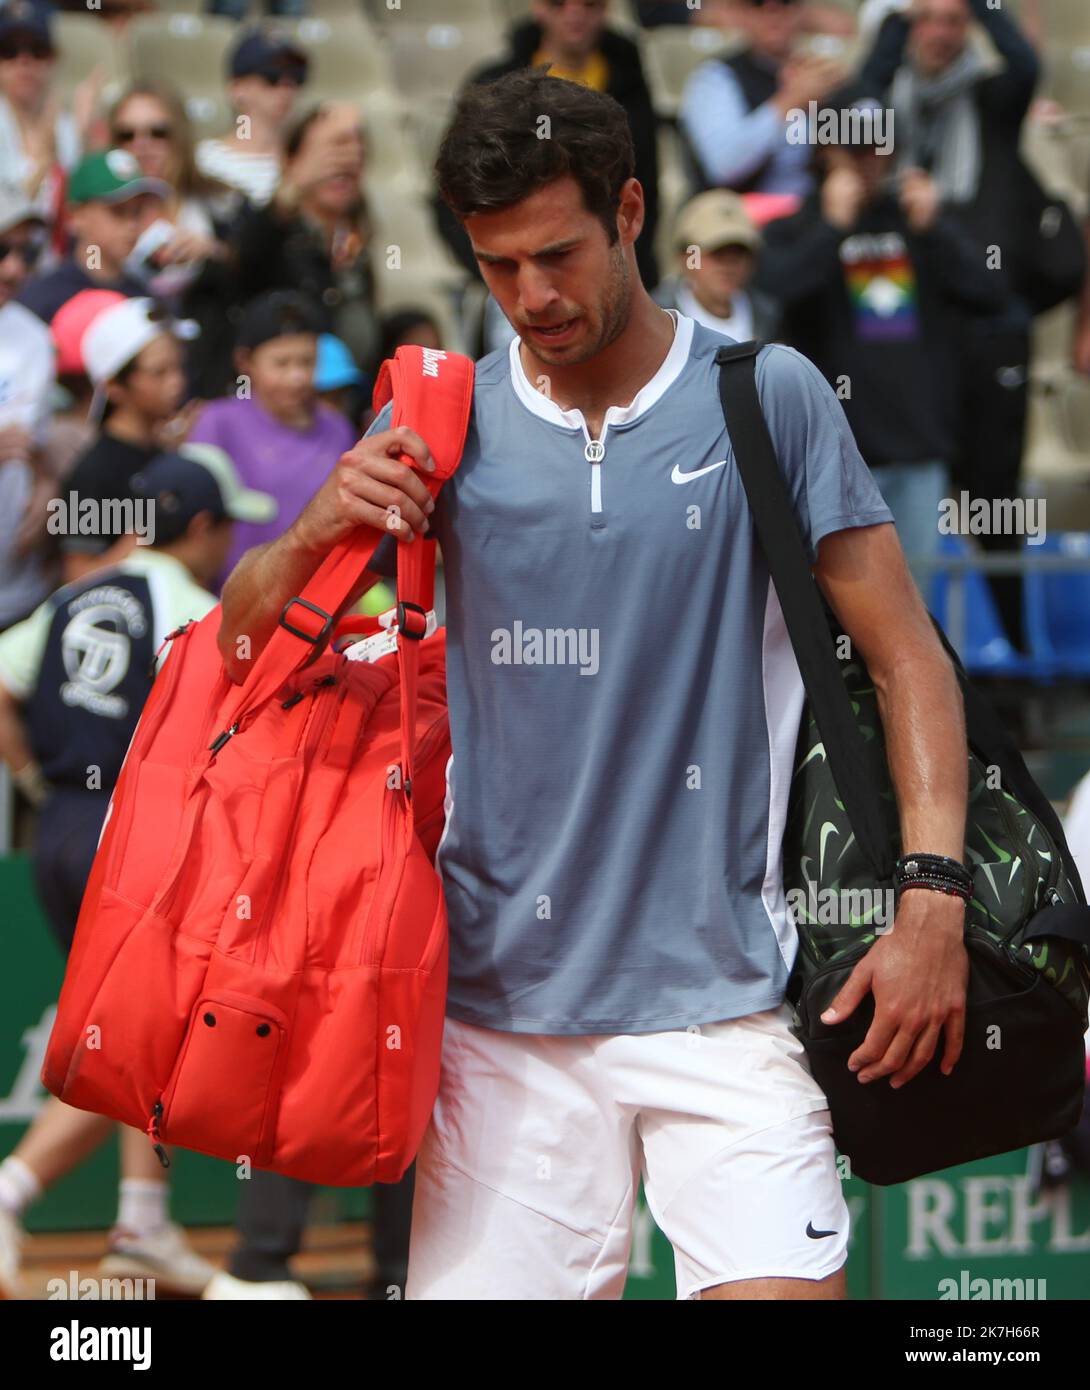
(923, 718)
(256, 592)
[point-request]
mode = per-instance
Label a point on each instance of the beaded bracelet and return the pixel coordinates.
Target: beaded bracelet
(934, 871)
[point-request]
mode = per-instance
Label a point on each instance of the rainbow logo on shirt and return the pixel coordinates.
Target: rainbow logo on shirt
(881, 283)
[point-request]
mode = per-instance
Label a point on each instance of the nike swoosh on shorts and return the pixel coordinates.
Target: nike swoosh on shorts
(677, 476)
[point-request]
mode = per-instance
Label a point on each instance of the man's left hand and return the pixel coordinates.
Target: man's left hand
(918, 973)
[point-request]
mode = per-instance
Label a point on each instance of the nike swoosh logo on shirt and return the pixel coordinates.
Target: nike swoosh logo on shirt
(677, 476)
(817, 1235)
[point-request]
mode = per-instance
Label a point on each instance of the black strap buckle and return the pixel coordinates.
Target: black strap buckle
(319, 638)
(403, 631)
(733, 352)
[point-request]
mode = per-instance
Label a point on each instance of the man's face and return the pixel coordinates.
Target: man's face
(20, 247)
(940, 31)
(26, 66)
(771, 27)
(549, 263)
(113, 228)
(571, 26)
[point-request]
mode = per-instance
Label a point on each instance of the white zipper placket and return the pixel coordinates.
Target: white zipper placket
(594, 453)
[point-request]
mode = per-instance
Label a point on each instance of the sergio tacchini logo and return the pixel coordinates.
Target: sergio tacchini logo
(677, 476)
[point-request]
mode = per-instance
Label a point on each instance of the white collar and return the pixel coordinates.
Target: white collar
(643, 400)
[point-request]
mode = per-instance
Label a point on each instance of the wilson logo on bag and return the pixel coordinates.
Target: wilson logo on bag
(259, 968)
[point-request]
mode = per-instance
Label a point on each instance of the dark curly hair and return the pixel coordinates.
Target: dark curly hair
(496, 151)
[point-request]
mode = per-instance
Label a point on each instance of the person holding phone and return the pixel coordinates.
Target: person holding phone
(872, 274)
(314, 236)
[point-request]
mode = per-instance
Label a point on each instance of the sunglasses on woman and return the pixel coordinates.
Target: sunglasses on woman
(126, 134)
(28, 251)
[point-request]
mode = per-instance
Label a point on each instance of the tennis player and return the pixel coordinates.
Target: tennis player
(624, 709)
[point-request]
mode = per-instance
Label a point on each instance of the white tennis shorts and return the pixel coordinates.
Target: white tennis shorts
(527, 1177)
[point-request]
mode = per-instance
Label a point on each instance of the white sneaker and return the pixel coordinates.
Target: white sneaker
(165, 1256)
(11, 1240)
(225, 1285)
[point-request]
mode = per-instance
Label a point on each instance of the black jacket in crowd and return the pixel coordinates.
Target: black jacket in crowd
(903, 403)
(994, 215)
(275, 252)
(628, 86)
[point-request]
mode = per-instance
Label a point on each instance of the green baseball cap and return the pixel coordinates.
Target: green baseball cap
(111, 176)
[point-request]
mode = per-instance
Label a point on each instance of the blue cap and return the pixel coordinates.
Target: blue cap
(335, 366)
(198, 478)
(26, 20)
(260, 51)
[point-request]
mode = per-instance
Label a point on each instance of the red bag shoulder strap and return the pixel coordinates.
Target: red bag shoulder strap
(432, 393)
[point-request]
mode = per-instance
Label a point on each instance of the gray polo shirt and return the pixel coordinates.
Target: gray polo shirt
(624, 702)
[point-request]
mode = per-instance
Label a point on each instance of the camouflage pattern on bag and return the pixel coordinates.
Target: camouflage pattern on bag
(1016, 867)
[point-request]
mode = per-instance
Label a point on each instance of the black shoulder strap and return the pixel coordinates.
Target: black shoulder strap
(805, 616)
(800, 599)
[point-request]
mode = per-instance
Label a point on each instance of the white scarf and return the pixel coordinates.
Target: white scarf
(937, 123)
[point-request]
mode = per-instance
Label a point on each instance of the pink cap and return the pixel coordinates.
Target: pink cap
(71, 322)
(770, 207)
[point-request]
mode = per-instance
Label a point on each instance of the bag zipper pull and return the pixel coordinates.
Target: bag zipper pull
(153, 1134)
(220, 739)
(178, 632)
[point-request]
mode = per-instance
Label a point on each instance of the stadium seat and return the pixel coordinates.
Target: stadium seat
(1047, 148)
(674, 190)
(212, 115)
(620, 14)
(428, 122)
(434, 297)
(85, 42)
(671, 53)
(1067, 76)
(448, 11)
(1058, 607)
(393, 156)
(409, 245)
(437, 58)
(186, 49)
(1058, 445)
(1065, 21)
(1052, 338)
(349, 59)
(337, 9)
(963, 605)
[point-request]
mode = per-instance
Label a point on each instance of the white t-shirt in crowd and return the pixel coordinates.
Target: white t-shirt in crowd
(255, 175)
(26, 381)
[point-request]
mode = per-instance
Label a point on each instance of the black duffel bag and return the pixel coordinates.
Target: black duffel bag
(1020, 1077)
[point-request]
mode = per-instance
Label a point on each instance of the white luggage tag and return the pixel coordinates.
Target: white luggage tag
(382, 643)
